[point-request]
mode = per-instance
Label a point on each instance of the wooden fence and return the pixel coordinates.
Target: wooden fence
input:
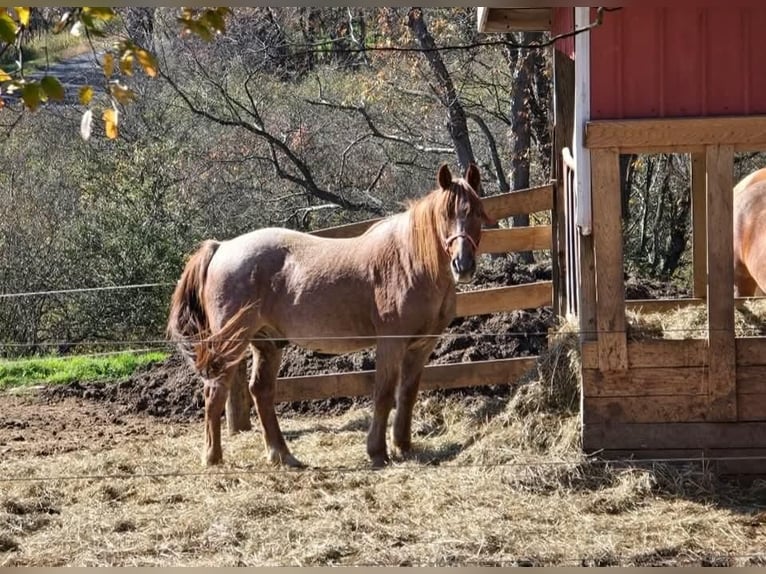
(479, 302)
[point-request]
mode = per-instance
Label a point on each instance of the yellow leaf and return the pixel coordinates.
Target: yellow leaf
(23, 14)
(32, 95)
(5, 76)
(147, 61)
(110, 122)
(86, 95)
(108, 65)
(126, 63)
(121, 93)
(104, 14)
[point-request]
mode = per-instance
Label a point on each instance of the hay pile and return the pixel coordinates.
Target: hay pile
(691, 322)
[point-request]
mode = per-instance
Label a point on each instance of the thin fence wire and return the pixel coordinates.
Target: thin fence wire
(77, 290)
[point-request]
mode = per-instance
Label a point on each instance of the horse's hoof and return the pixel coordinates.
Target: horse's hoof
(380, 461)
(212, 459)
(284, 459)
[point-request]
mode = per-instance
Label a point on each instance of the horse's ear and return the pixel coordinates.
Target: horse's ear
(444, 177)
(473, 177)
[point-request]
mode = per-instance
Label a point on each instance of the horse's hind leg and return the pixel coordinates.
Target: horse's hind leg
(215, 391)
(239, 402)
(263, 382)
(412, 370)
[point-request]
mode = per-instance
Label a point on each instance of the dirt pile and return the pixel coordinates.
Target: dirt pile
(171, 389)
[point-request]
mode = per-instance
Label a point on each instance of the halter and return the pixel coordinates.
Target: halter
(448, 241)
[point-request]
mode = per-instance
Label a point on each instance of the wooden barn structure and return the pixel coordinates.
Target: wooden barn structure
(684, 78)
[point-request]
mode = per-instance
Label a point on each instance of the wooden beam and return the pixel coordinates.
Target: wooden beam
(663, 409)
(699, 219)
(520, 202)
(360, 383)
(513, 239)
(720, 289)
(607, 242)
(655, 381)
(563, 84)
(655, 353)
(742, 132)
(499, 299)
(502, 20)
(751, 351)
(647, 306)
(637, 436)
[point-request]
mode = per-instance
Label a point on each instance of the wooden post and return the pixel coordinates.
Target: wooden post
(722, 389)
(239, 402)
(607, 242)
(564, 71)
(699, 226)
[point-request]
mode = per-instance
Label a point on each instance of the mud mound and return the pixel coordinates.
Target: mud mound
(172, 390)
(169, 389)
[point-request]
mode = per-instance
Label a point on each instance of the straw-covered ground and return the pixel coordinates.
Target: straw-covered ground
(498, 480)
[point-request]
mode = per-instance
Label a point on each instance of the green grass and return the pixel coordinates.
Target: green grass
(41, 50)
(60, 370)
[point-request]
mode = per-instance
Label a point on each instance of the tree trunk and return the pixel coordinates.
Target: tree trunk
(523, 68)
(457, 124)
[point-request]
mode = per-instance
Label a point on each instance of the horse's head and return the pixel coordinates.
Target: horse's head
(464, 217)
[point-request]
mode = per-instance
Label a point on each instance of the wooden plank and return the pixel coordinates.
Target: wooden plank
(637, 436)
(720, 291)
(751, 380)
(720, 461)
(641, 134)
(751, 407)
(503, 20)
(649, 409)
(520, 202)
(654, 353)
(514, 297)
(647, 306)
(564, 73)
(360, 383)
(348, 230)
(665, 305)
(699, 222)
(587, 295)
(607, 241)
(513, 239)
(643, 382)
(751, 351)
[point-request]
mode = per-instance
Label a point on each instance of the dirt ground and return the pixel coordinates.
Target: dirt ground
(110, 474)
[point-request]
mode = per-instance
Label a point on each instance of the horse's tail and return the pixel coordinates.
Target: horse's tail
(189, 324)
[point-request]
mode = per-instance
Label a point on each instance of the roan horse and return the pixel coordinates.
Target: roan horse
(392, 287)
(750, 235)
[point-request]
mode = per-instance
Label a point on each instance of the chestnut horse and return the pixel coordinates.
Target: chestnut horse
(750, 235)
(393, 287)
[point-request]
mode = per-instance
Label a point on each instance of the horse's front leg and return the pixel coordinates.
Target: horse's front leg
(412, 370)
(388, 368)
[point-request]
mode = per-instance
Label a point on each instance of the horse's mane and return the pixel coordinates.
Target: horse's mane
(426, 214)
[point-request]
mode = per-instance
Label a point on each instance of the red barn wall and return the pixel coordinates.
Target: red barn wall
(563, 22)
(665, 62)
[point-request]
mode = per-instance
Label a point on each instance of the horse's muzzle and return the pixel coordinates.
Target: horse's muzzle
(463, 269)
